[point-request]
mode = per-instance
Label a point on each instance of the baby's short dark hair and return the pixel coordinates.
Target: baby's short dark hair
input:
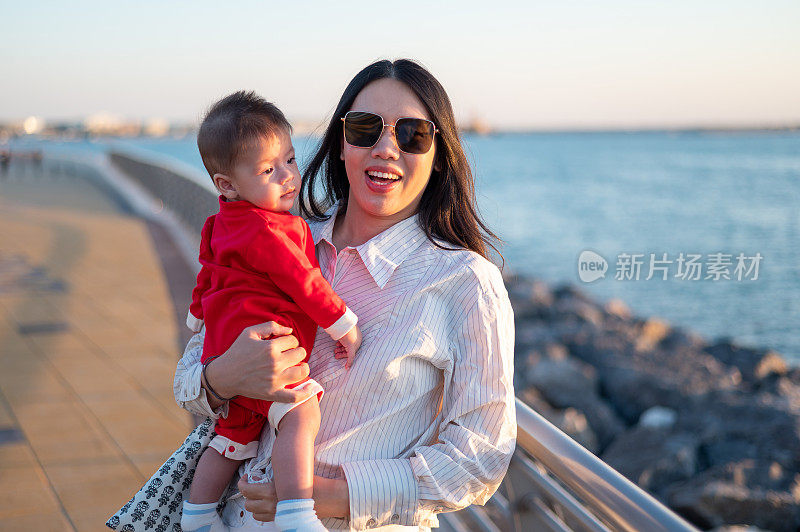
(232, 124)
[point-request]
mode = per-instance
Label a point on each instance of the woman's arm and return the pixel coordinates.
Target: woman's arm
(186, 386)
(259, 364)
(477, 432)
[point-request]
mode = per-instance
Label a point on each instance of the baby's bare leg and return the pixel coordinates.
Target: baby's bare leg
(212, 476)
(293, 453)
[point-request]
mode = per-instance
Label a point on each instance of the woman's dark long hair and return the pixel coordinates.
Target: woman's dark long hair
(447, 209)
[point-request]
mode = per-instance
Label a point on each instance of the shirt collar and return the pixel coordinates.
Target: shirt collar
(383, 253)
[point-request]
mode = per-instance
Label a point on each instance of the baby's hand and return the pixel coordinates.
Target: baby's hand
(347, 346)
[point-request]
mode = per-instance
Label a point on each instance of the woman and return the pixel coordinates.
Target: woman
(423, 421)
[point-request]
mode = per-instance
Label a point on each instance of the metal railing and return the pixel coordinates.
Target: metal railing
(553, 483)
(187, 199)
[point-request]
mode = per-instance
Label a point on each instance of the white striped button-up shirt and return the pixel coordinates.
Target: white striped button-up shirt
(424, 420)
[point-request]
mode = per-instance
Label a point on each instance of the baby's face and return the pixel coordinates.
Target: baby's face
(266, 174)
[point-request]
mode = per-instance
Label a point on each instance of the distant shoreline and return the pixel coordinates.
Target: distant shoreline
(76, 130)
(633, 130)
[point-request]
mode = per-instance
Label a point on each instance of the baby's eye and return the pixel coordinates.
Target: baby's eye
(292, 160)
(268, 171)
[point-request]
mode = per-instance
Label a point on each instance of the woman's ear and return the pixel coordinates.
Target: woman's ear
(226, 187)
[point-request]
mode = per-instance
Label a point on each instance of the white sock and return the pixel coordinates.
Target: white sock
(201, 518)
(297, 515)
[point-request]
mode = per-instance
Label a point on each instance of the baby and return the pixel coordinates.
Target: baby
(258, 265)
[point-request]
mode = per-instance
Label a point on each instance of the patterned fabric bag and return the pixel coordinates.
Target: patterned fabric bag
(157, 506)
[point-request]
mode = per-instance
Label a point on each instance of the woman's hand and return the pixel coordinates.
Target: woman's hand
(259, 364)
(331, 498)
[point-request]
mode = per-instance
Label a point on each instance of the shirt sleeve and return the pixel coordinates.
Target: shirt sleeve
(194, 319)
(477, 432)
(187, 385)
(298, 274)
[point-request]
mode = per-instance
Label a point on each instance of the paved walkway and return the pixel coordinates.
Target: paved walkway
(88, 345)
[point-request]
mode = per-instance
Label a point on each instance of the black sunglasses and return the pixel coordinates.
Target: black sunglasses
(363, 130)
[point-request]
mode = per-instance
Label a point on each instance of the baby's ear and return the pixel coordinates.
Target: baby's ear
(225, 186)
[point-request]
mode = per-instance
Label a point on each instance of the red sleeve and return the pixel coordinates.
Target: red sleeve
(293, 267)
(204, 277)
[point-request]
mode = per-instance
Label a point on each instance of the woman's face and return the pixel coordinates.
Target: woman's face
(370, 195)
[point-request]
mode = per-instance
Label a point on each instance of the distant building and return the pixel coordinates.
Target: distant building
(32, 125)
(156, 127)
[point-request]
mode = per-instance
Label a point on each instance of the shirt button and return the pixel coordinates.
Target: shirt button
(372, 522)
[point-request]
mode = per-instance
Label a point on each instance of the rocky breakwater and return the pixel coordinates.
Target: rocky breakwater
(712, 429)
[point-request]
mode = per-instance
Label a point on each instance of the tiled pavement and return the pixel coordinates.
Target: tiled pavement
(88, 345)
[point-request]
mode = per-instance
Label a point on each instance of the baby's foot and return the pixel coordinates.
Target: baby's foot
(298, 514)
(201, 517)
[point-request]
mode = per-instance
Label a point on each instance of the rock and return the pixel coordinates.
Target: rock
(562, 382)
(569, 291)
(784, 388)
(735, 425)
(534, 335)
(597, 348)
(530, 298)
(738, 528)
(616, 307)
(658, 417)
(653, 458)
(570, 421)
(754, 364)
(574, 423)
(579, 310)
(567, 382)
(677, 338)
(637, 382)
(603, 419)
(739, 493)
(533, 355)
(631, 392)
(653, 331)
(528, 289)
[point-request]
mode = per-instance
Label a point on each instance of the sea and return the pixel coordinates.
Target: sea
(700, 229)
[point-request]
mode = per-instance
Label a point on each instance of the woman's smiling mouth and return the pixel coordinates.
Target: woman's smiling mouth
(382, 179)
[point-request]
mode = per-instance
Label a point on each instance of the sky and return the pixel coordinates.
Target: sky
(513, 65)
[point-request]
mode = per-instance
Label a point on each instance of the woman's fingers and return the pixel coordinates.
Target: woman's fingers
(292, 356)
(260, 499)
(248, 490)
(283, 343)
(296, 373)
(266, 330)
(293, 396)
(290, 375)
(262, 506)
(257, 494)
